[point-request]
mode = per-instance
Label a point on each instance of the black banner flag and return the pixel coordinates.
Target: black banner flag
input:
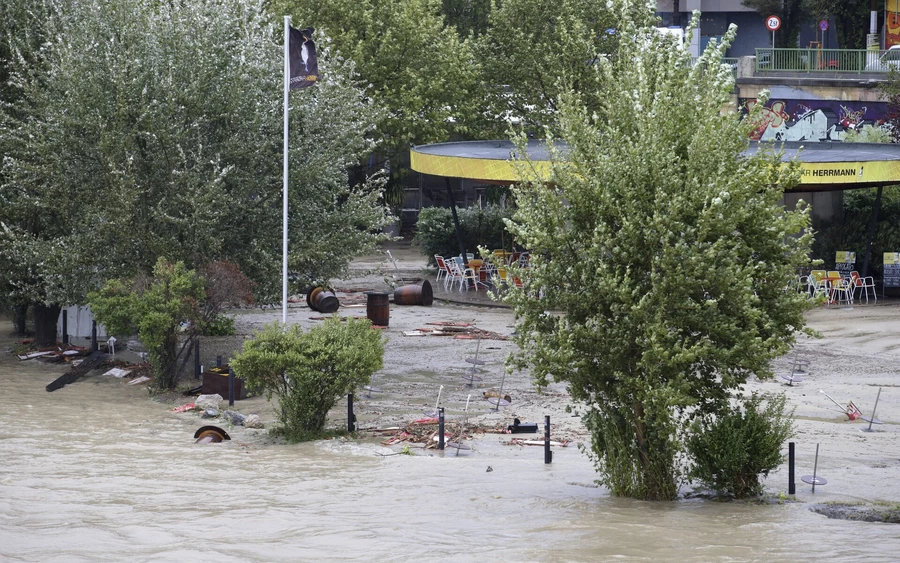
(304, 64)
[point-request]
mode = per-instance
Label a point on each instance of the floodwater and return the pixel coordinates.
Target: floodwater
(98, 472)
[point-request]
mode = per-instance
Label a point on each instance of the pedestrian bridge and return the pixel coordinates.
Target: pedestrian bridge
(825, 166)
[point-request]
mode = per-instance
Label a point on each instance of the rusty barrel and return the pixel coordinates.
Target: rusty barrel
(323, 301)
(414, 294)
(378, 308)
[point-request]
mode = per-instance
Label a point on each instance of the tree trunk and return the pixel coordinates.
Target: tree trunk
(45, 318)
(20, 315)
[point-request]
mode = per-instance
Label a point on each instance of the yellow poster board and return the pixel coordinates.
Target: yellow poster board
(844, 257)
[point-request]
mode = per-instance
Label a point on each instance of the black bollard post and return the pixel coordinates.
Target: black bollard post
(94, 346)
(548, 455)
(230, 387)
(218, 361)
(197, 358)
(351, 418)
(792, 487)
(65, 326)
(441, 428)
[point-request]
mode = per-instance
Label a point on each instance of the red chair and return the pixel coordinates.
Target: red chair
(863, 284)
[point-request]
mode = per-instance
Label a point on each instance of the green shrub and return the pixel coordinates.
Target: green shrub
(310, 371)
(220, 325)
(732, 449)
(156, 309)
(479, 227)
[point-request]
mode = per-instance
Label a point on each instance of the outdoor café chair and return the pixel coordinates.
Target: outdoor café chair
(454, 274)
(863, 284)
(442, 268)
(840, 288)
(817, 285)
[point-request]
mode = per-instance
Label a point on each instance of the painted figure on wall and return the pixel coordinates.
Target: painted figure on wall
(813, 120)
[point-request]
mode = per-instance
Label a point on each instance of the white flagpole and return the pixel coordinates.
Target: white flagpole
(284, 219)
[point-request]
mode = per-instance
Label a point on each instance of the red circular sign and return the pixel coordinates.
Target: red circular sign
(773, 23)
(823, 25)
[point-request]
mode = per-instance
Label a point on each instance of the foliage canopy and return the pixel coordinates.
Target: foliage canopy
(154, 129)
(659, 255)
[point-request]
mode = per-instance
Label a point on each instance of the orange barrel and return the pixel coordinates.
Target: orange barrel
(322, 301)
(378, 308)
(414, 294)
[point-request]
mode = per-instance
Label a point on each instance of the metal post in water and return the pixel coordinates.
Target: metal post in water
(218, 361)
(94, 346)
(197, 358)
(548, 455)
(350, 416)
(230, 387)
(792, 487)
(815, 467)
(65, 326)
(872, 418)
(441, 428)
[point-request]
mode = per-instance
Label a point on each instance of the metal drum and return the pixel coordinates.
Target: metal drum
(414, 294)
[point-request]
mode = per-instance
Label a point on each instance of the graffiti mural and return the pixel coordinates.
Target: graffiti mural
(813, 120)
(891, 23)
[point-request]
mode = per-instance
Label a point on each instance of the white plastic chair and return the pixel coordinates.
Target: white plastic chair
(863, 284)
(454, 274)
(442, 268)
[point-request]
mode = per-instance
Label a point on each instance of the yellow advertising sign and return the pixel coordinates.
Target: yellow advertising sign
(844, 257)
(892, 257)
(849, 172)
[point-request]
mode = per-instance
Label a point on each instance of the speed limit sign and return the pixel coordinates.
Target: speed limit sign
(773, 23)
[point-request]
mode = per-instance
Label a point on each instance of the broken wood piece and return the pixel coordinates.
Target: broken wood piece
(33, 355)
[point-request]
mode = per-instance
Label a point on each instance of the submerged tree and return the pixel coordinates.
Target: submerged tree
(665, 248)
(154, 129)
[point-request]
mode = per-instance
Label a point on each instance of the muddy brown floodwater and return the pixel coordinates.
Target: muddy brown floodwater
(99, 472)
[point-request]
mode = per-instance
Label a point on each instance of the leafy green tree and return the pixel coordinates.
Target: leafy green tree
(414, 66)
(469, 17)
(851, 19)
(156, 309)
(310, 371)
(154, 129)
(664, 247)
(792, 13)
(535, 50)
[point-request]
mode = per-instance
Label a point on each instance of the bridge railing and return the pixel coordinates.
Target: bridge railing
(826, 60)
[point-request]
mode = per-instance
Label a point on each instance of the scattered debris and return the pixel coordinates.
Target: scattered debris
(74, 374)
(139, 380)
(457, 329)
(118, 372)
(184, 408)
(33, 355)
(210, 435)
(253, 421)
(204, 402)
(523, 442)
(518, 427)
(491, 394)
(235, 418)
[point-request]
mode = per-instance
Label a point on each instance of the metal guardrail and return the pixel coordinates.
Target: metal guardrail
(826, 60)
